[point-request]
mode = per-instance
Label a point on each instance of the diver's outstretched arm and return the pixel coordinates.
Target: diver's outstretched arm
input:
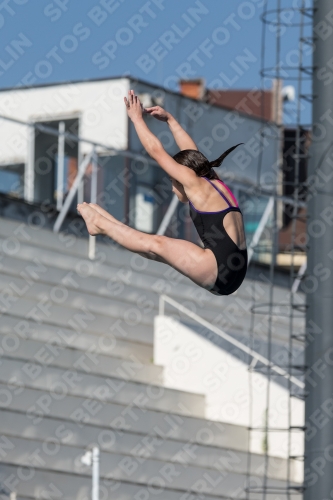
(149, 141)
(181, 137)
(186, 176)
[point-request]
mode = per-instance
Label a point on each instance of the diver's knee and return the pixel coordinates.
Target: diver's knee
(157, 244)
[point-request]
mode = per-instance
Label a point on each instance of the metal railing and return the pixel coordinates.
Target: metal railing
(72, 192)
(168, 215)
(61, 165)
(64, 208)
(78, 138)
(299, 277)
(261, 226)
(240, 345)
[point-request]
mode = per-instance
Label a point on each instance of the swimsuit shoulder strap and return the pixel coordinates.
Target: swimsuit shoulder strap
(220, 192)
(229, 191)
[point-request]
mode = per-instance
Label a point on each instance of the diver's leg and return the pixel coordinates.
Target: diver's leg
(192, 261)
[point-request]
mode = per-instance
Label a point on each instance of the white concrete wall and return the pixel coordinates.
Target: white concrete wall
(99, 105)
(193, 363)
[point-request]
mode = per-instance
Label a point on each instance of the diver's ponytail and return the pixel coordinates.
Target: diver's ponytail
(198, 162)
(216, 163)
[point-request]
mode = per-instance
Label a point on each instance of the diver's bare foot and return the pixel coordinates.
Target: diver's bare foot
(104, 213)
(92, 218)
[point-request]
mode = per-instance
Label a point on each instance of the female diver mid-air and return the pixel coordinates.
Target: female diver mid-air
(220, 266)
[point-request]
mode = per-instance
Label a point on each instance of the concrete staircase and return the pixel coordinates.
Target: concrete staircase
(76, 344)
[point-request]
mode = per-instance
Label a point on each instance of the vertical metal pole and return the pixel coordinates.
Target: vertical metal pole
(299, 277)
(168, 215)
(71, 194)
(61, 165)
(319, 290)
(95, 473)
(292, 303)
(261, 226)
(127, 163)
(93, 199)
(29, 173)
(93, 186)
(80, 192)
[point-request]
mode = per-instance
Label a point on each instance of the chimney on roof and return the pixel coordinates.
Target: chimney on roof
(192, 88)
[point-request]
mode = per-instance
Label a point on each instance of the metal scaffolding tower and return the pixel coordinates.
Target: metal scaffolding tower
(280, 19)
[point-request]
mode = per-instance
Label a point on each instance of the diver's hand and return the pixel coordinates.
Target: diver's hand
(133, 106)
(158, 113)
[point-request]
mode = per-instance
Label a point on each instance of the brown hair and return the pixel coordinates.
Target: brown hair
(198, 162)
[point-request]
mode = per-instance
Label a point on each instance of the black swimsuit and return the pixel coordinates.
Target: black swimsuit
(231, 260)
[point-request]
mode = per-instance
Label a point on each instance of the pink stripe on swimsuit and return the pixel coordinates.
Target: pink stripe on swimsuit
(229, 192)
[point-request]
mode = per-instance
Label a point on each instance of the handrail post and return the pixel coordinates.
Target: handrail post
(93, 199)
(95, 473)
(63, 212)
(91, 458)
(29, 173)
(260, 228)
(61, 165)
(299, 277)
(167, 217)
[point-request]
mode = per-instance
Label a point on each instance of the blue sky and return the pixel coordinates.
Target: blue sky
(155, 40)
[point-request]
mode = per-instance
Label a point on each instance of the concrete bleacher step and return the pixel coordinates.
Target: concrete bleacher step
(99, 389)
(17, 425)
(61, 314)
(224, 481)
(129, 290)
(13, 329)
(69, 358)
(47, 484)
(176, 424)
(13, 287)
(129, 324)
(69, 245)
(76, 340)
(110, 280)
